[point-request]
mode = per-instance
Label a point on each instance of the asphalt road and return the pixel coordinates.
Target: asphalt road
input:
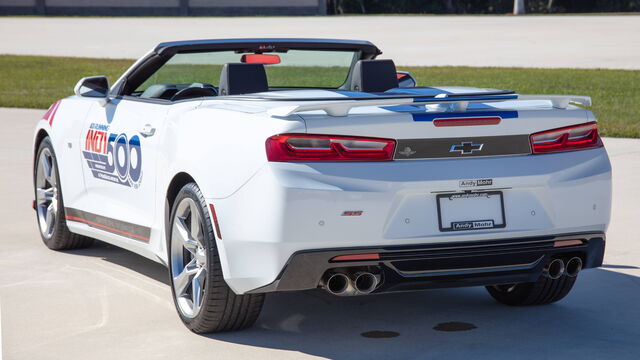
(530, 41)
(106, 303)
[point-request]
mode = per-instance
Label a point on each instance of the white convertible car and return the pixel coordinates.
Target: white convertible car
(257, 165)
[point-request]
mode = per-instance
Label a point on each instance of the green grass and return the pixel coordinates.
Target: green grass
(615, 93)
(36, 82)
(279, 76)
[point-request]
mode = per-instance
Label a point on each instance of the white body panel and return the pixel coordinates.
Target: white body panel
(267, 211)
(135, 199)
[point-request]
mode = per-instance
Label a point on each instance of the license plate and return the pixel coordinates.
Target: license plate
(470, 211)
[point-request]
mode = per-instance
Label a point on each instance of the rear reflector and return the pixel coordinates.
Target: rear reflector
(577, 137)
(356, 257)
(564, 243)
(304, 147)
(469, 121)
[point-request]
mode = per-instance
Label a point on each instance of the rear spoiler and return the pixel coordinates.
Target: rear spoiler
(342, 107)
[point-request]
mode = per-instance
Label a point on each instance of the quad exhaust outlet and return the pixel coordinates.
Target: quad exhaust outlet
(349, 284)
(558, 267)
(554, 269)
(339, 284)
(573, 266)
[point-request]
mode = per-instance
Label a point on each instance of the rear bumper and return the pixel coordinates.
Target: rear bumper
(290, 208)
(405, 268)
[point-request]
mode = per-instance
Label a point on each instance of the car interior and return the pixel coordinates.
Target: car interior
(372, 76)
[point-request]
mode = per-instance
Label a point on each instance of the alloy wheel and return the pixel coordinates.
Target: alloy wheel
(188, 258)
(46, 193)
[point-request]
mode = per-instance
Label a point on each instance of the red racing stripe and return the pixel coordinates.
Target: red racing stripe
(107, 228)
(51, 113)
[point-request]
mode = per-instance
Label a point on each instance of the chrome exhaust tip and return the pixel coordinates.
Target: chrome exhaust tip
(554, 269)
(574, 266)
(339, 284)
(366, 282)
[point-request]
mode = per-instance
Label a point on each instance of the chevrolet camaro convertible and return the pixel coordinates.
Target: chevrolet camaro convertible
(258, 165)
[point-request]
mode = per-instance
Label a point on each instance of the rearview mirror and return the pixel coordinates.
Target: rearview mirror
(93, 87)
(405, 79)
(265, 59)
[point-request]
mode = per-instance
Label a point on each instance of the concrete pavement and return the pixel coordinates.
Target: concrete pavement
(531, 41)
(107, 303)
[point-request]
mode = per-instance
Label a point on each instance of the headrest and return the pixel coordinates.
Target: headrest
(242, 78)
(374, 76)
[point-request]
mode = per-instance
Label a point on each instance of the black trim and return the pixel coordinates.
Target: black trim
(441, 147)
(114, 226)
(441, 265)
(267, 45)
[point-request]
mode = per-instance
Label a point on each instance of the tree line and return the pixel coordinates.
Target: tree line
(478, 6)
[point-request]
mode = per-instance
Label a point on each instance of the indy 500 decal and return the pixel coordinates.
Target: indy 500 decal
(113, 157)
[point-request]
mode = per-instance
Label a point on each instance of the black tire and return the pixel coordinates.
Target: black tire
(542, 292)
(221, 310)
(60, 238)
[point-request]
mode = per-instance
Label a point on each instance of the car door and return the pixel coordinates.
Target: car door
(120, 148)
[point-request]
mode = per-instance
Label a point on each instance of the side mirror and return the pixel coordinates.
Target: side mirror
(93, 87)
(405, 80)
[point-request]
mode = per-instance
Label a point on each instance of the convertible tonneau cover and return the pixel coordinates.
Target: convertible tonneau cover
(342, 106)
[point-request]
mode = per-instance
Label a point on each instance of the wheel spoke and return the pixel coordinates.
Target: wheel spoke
(44, 195)
(181, 234)
(52, 174)
(197, 289)
(201, 256)
(50, 217)
(46, 167)
(195, 224)
(182, 281)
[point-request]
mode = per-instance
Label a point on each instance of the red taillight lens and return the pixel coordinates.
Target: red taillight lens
(303, 147)
(577, 137)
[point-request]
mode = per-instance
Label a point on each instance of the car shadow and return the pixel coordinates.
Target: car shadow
(598, 319)
(127, 259)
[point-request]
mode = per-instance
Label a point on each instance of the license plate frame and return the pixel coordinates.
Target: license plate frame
(472, 224)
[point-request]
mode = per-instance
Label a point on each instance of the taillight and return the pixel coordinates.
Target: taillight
(303, 147)
(576, 137)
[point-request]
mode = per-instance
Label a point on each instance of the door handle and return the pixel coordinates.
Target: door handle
(147, 130)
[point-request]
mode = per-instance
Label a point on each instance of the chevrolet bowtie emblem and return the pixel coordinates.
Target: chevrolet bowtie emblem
(466, 147)
(407, 151)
